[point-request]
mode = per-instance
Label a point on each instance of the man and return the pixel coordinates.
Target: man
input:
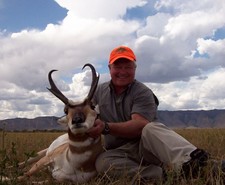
(135, 142)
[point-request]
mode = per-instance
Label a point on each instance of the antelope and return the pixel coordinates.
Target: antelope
(71, 157)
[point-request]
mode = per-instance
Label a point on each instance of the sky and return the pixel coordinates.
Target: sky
(179, 46)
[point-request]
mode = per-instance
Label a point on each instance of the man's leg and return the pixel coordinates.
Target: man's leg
(122, 161)
(168, 146)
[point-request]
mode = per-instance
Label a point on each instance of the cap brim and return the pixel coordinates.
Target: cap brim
(129, 58)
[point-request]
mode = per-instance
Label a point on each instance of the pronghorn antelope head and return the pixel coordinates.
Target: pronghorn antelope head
(80, 116)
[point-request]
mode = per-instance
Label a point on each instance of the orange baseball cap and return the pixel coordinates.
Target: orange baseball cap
(121, 52)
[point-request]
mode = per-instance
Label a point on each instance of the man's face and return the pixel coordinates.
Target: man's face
(122, 72)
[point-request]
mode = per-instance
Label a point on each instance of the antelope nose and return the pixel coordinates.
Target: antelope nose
(78, 118)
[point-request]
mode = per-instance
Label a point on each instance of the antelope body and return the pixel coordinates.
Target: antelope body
(71, 157)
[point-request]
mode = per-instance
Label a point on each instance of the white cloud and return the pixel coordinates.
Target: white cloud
(197, 93)
(170, 43)
(95, 9)
(155, 25)
(211, 47)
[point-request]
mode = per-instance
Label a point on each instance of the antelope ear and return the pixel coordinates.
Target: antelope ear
(63, 120)
(97, 109)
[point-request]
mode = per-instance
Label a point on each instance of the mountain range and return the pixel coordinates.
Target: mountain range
(174, 119)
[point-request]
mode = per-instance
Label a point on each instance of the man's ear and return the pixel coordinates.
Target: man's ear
(109, 66)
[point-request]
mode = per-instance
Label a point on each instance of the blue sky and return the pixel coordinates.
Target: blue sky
(25, 14)
(179, 45)
(220, 34)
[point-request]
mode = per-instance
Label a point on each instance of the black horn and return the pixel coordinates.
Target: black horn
(94, 83)
(54, 90)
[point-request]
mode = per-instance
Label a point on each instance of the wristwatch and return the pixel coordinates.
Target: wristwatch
(106, 129)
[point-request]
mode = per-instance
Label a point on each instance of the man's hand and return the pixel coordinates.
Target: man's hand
(97, 129)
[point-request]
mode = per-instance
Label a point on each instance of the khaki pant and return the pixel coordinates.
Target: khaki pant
(159, 146)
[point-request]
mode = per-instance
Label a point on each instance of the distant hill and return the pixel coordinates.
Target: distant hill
(200, 119)
(173, 119)
(24, 124)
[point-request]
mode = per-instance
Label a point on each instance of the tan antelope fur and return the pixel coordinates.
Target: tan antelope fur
(71, 157)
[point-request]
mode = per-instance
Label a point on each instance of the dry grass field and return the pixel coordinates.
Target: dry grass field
(17, 146)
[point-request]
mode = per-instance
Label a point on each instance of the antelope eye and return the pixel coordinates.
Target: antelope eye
(92, 106)
(66, 110)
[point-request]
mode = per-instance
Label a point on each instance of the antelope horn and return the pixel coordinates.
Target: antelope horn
(54, 90)
(94, 82)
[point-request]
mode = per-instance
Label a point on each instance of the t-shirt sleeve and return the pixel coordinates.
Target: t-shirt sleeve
(144, 104)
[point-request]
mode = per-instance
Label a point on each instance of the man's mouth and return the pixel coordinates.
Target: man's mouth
(122, 77)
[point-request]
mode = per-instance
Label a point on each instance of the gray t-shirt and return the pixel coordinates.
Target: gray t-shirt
(137, 98)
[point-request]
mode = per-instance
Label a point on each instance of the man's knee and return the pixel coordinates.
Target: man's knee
(148, 129)
(101, 163)
(153, 128)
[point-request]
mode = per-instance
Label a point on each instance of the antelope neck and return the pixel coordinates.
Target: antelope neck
(85, 142)
(77, 137)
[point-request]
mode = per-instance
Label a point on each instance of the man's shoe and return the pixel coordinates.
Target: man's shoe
(192, 168)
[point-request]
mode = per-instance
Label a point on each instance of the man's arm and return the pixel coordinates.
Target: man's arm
(127, 129)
